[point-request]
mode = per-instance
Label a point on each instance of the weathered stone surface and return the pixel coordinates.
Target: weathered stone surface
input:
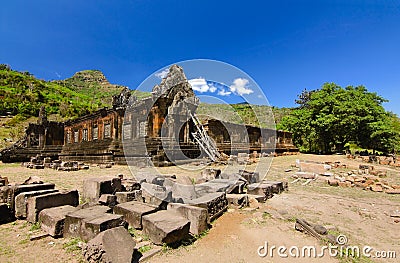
(197, 216)
(181, 192)
(5, 213)
(93, 188)
(261, 189)
(22, 198)
(93, 227)
(220, 185)
(259, 198)
(110, 246)
(52, 219)
(267, 188)
(155, 194)
(215, 203)
(236, 200)
(36, 204)
(133, 212)
(165, 227)
(123, 197)
(75, 222)
(108, 199)
(251, 177)
(8, 193)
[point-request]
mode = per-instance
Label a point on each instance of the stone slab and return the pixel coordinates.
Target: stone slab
(36, 204)
(133, 212)
(165, 227)
(215, 203)
(93, 188)
(75, 221)
(123, 197)
(22, 199)
(8, 193)
(93, 227)
(52, 219)
(197, 216)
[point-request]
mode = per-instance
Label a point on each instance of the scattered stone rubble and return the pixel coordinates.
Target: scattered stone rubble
(366, 178)
(383, 160)
(173, 213)
(39, 162)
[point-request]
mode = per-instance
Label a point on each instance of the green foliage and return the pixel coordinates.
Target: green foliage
(22, 93)
(255, 115)
(329, 118)
(35, 226)
(73, 245)
(144, 249)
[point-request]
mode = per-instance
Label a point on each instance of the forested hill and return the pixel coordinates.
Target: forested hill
(23, 94)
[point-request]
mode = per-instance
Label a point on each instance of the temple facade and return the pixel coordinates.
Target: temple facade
(159, 128)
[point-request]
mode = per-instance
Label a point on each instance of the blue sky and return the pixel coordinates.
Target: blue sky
(284, 46)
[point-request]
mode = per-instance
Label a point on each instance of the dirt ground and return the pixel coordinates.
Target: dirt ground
(362, 216)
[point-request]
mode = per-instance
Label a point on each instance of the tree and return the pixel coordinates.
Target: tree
(328, 118)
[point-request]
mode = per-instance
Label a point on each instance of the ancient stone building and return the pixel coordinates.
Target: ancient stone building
(44, 138)
(232, 138)
(160, 128)
(137, 129)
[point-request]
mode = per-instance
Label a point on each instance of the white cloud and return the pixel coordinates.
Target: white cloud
(212, 88)
(201, 85)
(223, 92)
(162, 74)
(240, 87)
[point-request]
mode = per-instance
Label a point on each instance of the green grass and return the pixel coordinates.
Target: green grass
(72, 245)
(144, 249)
(35, 226)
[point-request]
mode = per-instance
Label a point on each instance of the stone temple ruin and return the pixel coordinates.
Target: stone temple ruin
(159, 129)
(163, 126)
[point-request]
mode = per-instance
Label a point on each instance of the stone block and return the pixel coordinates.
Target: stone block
(52, 219)
(251, 177)
(108, 200)
(236, 200)
(36, 204)
(87, 223)
(22, 199)
(197, 216)
(95, 226)
(156, 195)
(93, 188)
(265, 190)
(133, 212)
(165, 227)
(8, 193)
(123, 197)
(113, 245)
(215, 203)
